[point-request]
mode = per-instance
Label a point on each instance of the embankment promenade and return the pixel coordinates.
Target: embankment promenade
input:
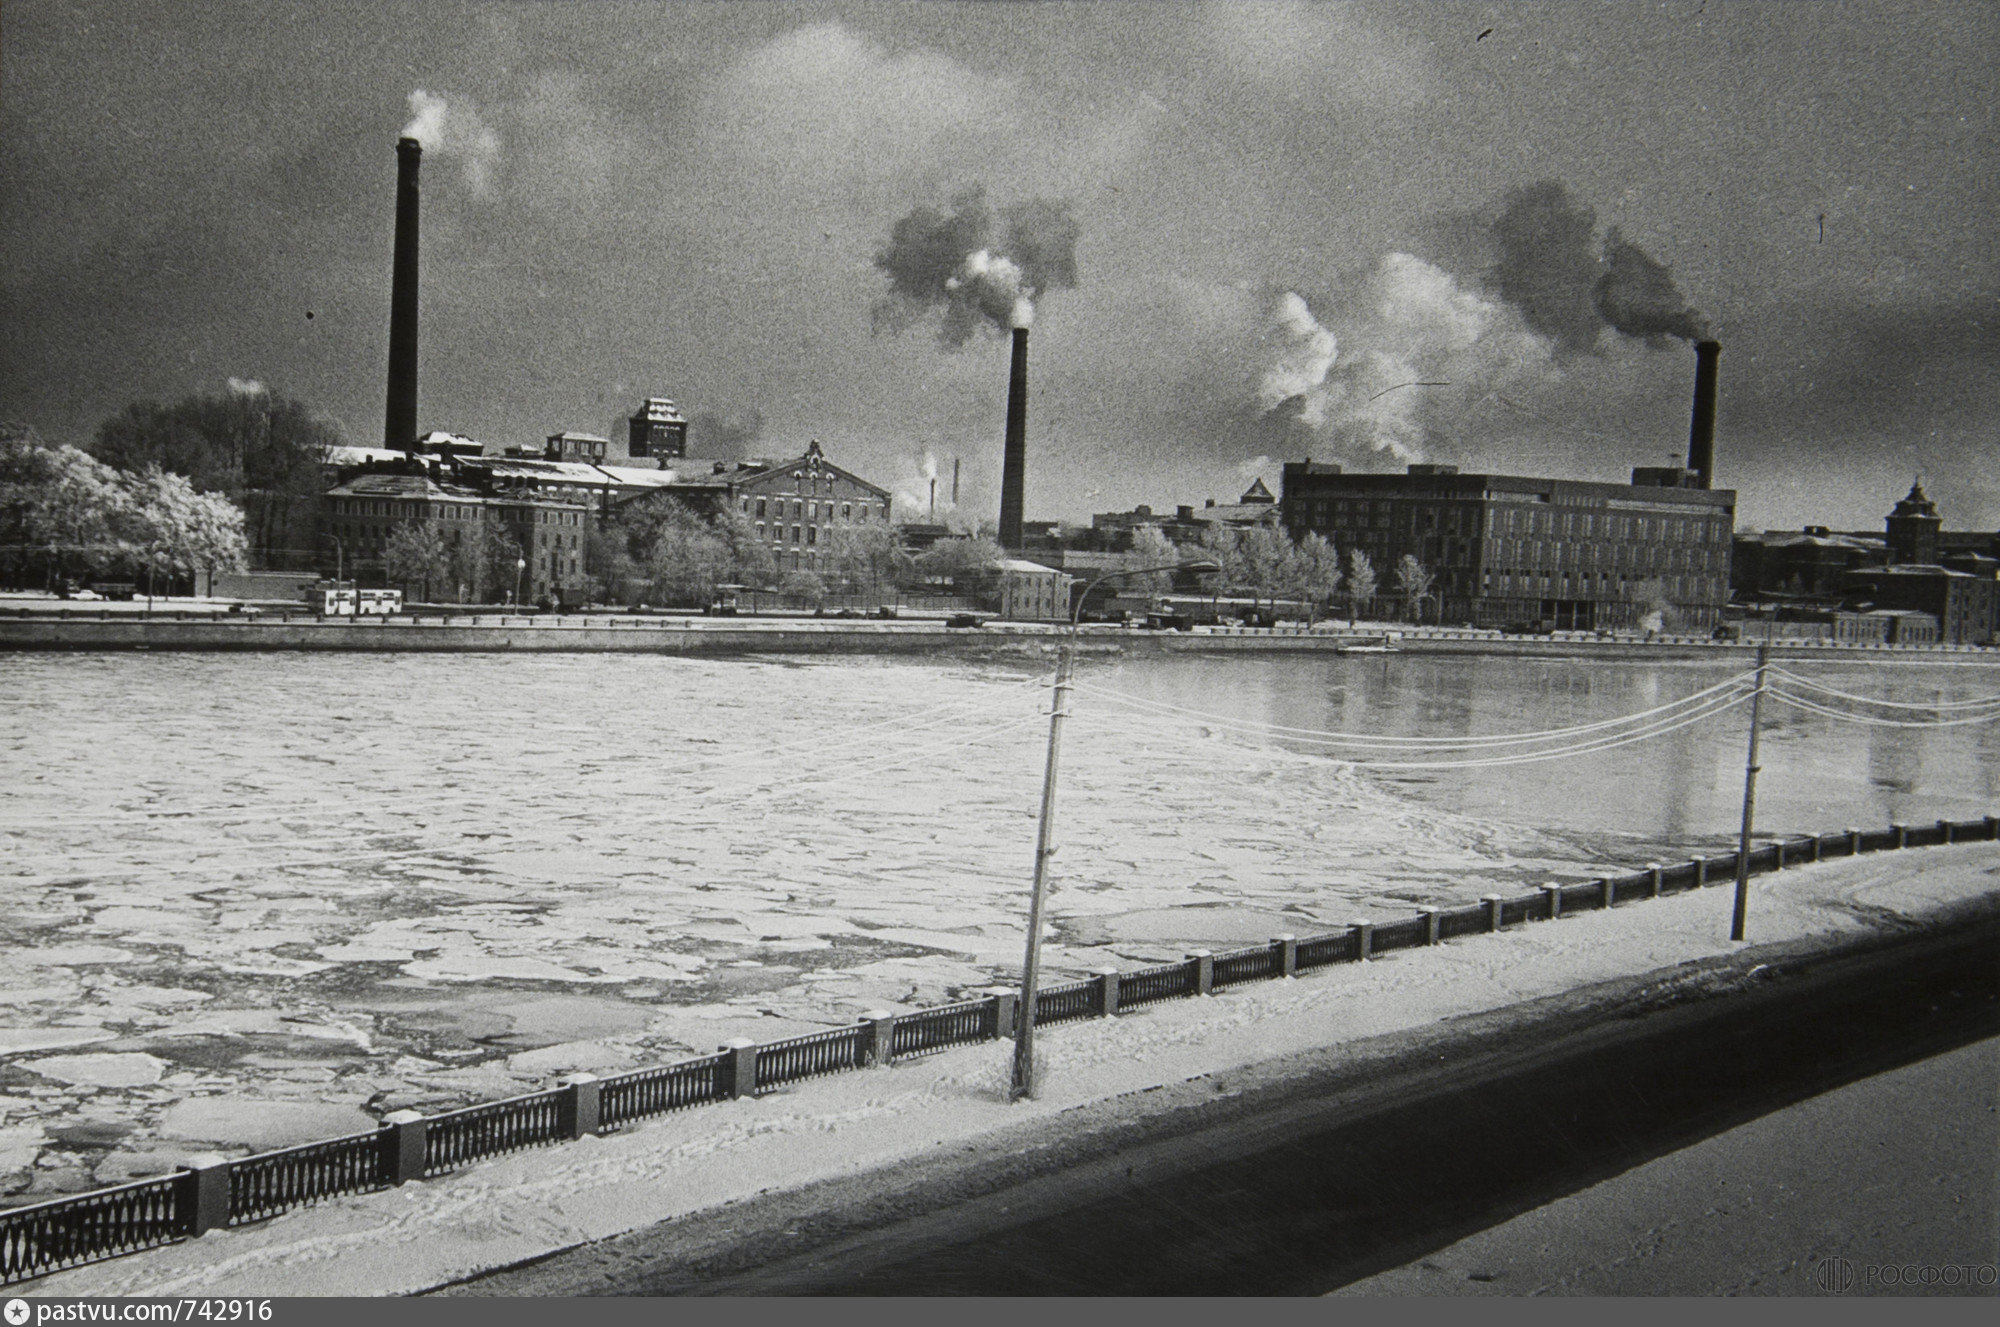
(85, 629)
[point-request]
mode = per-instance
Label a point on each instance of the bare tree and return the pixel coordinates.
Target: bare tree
(418, 551)
(1413, 584)
(1359, 584)
(1312, 573)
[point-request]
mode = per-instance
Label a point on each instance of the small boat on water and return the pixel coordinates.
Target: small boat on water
(1376, 645)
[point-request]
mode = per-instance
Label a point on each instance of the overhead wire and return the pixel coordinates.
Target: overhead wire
(1978, 702)
(1874, 721)
(1330, 738)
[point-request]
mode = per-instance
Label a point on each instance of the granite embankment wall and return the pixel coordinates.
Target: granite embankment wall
(600, 634)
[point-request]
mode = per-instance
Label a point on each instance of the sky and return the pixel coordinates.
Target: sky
(1245, 233)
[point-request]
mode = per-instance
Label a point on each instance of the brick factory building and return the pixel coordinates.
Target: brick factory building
(793, 506)
(1506, 550)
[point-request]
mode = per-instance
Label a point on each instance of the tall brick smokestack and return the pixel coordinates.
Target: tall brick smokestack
(1014, 460)
(1701, 429)
(399, 429)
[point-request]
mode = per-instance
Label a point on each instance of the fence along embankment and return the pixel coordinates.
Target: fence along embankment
(69, 1232)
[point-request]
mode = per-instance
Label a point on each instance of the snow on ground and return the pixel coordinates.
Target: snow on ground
(533, 1203)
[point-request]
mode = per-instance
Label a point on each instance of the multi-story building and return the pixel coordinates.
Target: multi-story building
(1966, 604)
(1508, 550)
(793, 506)
(539, 560)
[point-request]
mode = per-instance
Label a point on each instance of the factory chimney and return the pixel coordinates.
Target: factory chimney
(1014, 459)
(399, 430)
(1701, 429)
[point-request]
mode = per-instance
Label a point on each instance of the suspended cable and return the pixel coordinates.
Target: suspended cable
(1811, 685)
(1874, 722)
(1604, 742)
(1365, 739)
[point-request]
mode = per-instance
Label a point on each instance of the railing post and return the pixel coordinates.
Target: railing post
(1492, 902)
(403, 1136)
(742, 1066)
(1812, 853)
(580, 1108)
(1006, 1006)
(1108, 978)
(1700, 872)
(1364, 939)
(1430, 915)
(206, 1198)
(1553, 894)
(1992, 824)
(1902, 834)
(1204, 971)
(882, 1037)
(1288, 955)
(1853, 842)
(1605, 886)
(1944, 829)
(1653, 873)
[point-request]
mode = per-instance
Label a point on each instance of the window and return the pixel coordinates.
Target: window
(812, 534)
(845, 514)
(795, 531)
(760, 507)
(760, 527)
(812, 511)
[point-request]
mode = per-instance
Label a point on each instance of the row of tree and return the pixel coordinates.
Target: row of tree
(65, 514)
(266, 453)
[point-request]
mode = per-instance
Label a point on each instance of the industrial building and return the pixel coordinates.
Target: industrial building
(1510, 551)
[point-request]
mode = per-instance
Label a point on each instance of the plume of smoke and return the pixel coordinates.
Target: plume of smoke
(722, 437)
(247, 387)
(1307, 351)
(1547, 264)
(458, 132)
(914, 497)
(1637, 295)
(982, 270)
(1568, 288)
(1419, 347)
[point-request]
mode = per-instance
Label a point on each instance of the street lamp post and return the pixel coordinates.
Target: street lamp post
(520, 581)
(1031, 964)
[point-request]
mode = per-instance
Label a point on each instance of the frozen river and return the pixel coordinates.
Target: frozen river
(246, 900)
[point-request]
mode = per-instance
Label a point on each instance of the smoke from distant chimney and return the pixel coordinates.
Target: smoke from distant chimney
(1569, 288)
(1637, 295)
(982, 270)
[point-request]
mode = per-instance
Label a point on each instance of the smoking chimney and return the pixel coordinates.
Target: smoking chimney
(399, 429)
(1014, 460)
(1701, 430)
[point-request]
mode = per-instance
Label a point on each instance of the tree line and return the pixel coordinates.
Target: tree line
(66, 514)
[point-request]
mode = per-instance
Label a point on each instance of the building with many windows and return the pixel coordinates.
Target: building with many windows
(794, 507)
(1507, 550)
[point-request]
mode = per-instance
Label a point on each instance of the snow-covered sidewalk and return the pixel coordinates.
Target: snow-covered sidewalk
(533, 1203)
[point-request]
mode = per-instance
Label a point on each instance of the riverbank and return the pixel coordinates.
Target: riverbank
(736, 1181)
(105, 628)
